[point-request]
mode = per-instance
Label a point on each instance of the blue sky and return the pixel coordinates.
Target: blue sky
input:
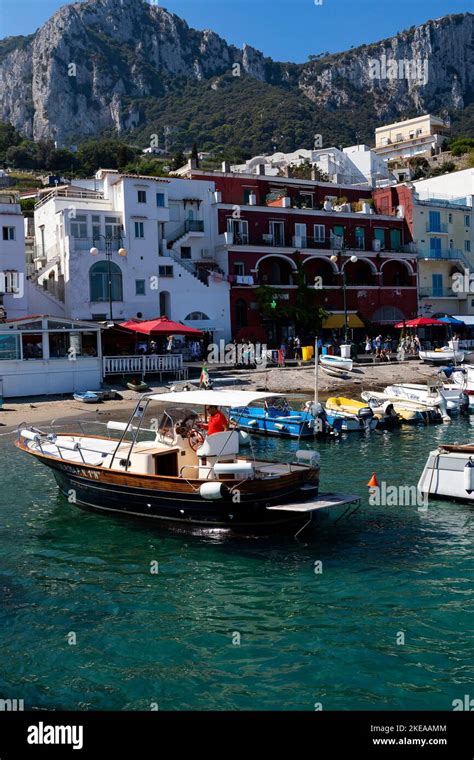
(287, 30)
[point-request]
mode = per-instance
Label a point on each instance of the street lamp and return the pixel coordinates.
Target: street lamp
(354, 260)
(109, 240)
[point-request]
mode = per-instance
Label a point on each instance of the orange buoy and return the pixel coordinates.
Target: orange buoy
(373, 482)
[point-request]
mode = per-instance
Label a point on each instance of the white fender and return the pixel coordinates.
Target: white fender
(469, 476)
(212, 491)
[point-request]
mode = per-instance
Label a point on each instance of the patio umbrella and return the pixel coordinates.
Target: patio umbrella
(418, 322)
(448, 320)
(161, 326)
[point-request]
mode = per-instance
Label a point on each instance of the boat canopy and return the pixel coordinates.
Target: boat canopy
(213, 398)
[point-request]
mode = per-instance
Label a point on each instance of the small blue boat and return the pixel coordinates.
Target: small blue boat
(88, 397)
(275, 417)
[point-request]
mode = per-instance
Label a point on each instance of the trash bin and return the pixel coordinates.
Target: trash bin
(306, 353)
(346, 351)
(324, 350)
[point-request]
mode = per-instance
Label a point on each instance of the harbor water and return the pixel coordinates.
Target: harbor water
(372, 613)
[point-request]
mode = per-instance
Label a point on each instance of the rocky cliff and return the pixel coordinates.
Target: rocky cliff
(97, 65)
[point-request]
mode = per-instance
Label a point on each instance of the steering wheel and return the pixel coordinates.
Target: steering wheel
(196, 439)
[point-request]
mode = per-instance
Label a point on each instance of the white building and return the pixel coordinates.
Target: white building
(13, 301)
(355, 165)
(456, 186)
(152, 238)
(42, 356)
(422, 136)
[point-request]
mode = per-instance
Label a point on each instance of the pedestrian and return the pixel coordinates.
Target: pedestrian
(368, 345)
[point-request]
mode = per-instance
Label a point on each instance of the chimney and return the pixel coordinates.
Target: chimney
(193, 164)
(225, 167)
(261, 170)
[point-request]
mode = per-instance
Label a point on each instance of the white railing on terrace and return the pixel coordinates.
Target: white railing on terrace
(159, 363)
(70, 193)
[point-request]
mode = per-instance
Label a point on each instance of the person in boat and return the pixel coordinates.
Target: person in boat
(218, 422)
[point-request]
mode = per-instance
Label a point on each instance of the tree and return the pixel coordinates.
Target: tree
(419, 167)
(9, 137)
(106, 154)
(461, 145)
(22, 156)
(195, 155)
(178, 161)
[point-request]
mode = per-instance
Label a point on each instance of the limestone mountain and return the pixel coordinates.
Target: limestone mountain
(118, 66)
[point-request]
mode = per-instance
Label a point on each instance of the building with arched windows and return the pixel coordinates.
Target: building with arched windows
(282, 237)
(123, 246)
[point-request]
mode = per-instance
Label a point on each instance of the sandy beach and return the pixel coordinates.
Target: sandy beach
(44, 410)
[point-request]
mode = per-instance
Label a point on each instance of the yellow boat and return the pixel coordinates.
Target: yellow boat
(342, 404)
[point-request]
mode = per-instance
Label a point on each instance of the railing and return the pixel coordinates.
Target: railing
(190, 225)
(450, 254)
(70, 193)
(125, 365)
(436, 227)
(437, 293)
(85, 244)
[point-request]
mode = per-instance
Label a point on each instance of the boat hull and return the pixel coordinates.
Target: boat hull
(441, 357)
(443, 475)
(336, 363)
(178, 506)
(293, 425)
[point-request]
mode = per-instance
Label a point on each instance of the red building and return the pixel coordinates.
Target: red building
(279, 231)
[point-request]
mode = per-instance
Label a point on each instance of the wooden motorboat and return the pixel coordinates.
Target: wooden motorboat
(170, 470)
(87, 397)
(449, 473)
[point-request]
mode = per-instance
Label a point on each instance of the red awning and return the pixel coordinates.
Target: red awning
(161, 326)
(419, 322)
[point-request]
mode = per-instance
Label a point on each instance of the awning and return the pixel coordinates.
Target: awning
(337, 320)
(161, 326)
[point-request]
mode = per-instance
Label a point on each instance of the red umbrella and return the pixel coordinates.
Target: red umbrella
(161, 326)
(419, 322)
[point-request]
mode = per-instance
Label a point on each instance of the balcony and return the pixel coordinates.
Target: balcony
(71, 192)
(446, 254)
(85, 244)
(190, 226)
(437, 293)
(437, 229)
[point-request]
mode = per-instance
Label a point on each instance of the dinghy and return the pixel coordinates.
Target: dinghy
(408, 411)
(88, 397)
(430, 392)
(275, 417)
(337, 363)
(441, 356)
(138, 385)
(352, 416)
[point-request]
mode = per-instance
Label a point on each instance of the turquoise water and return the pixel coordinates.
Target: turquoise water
(166, 639)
